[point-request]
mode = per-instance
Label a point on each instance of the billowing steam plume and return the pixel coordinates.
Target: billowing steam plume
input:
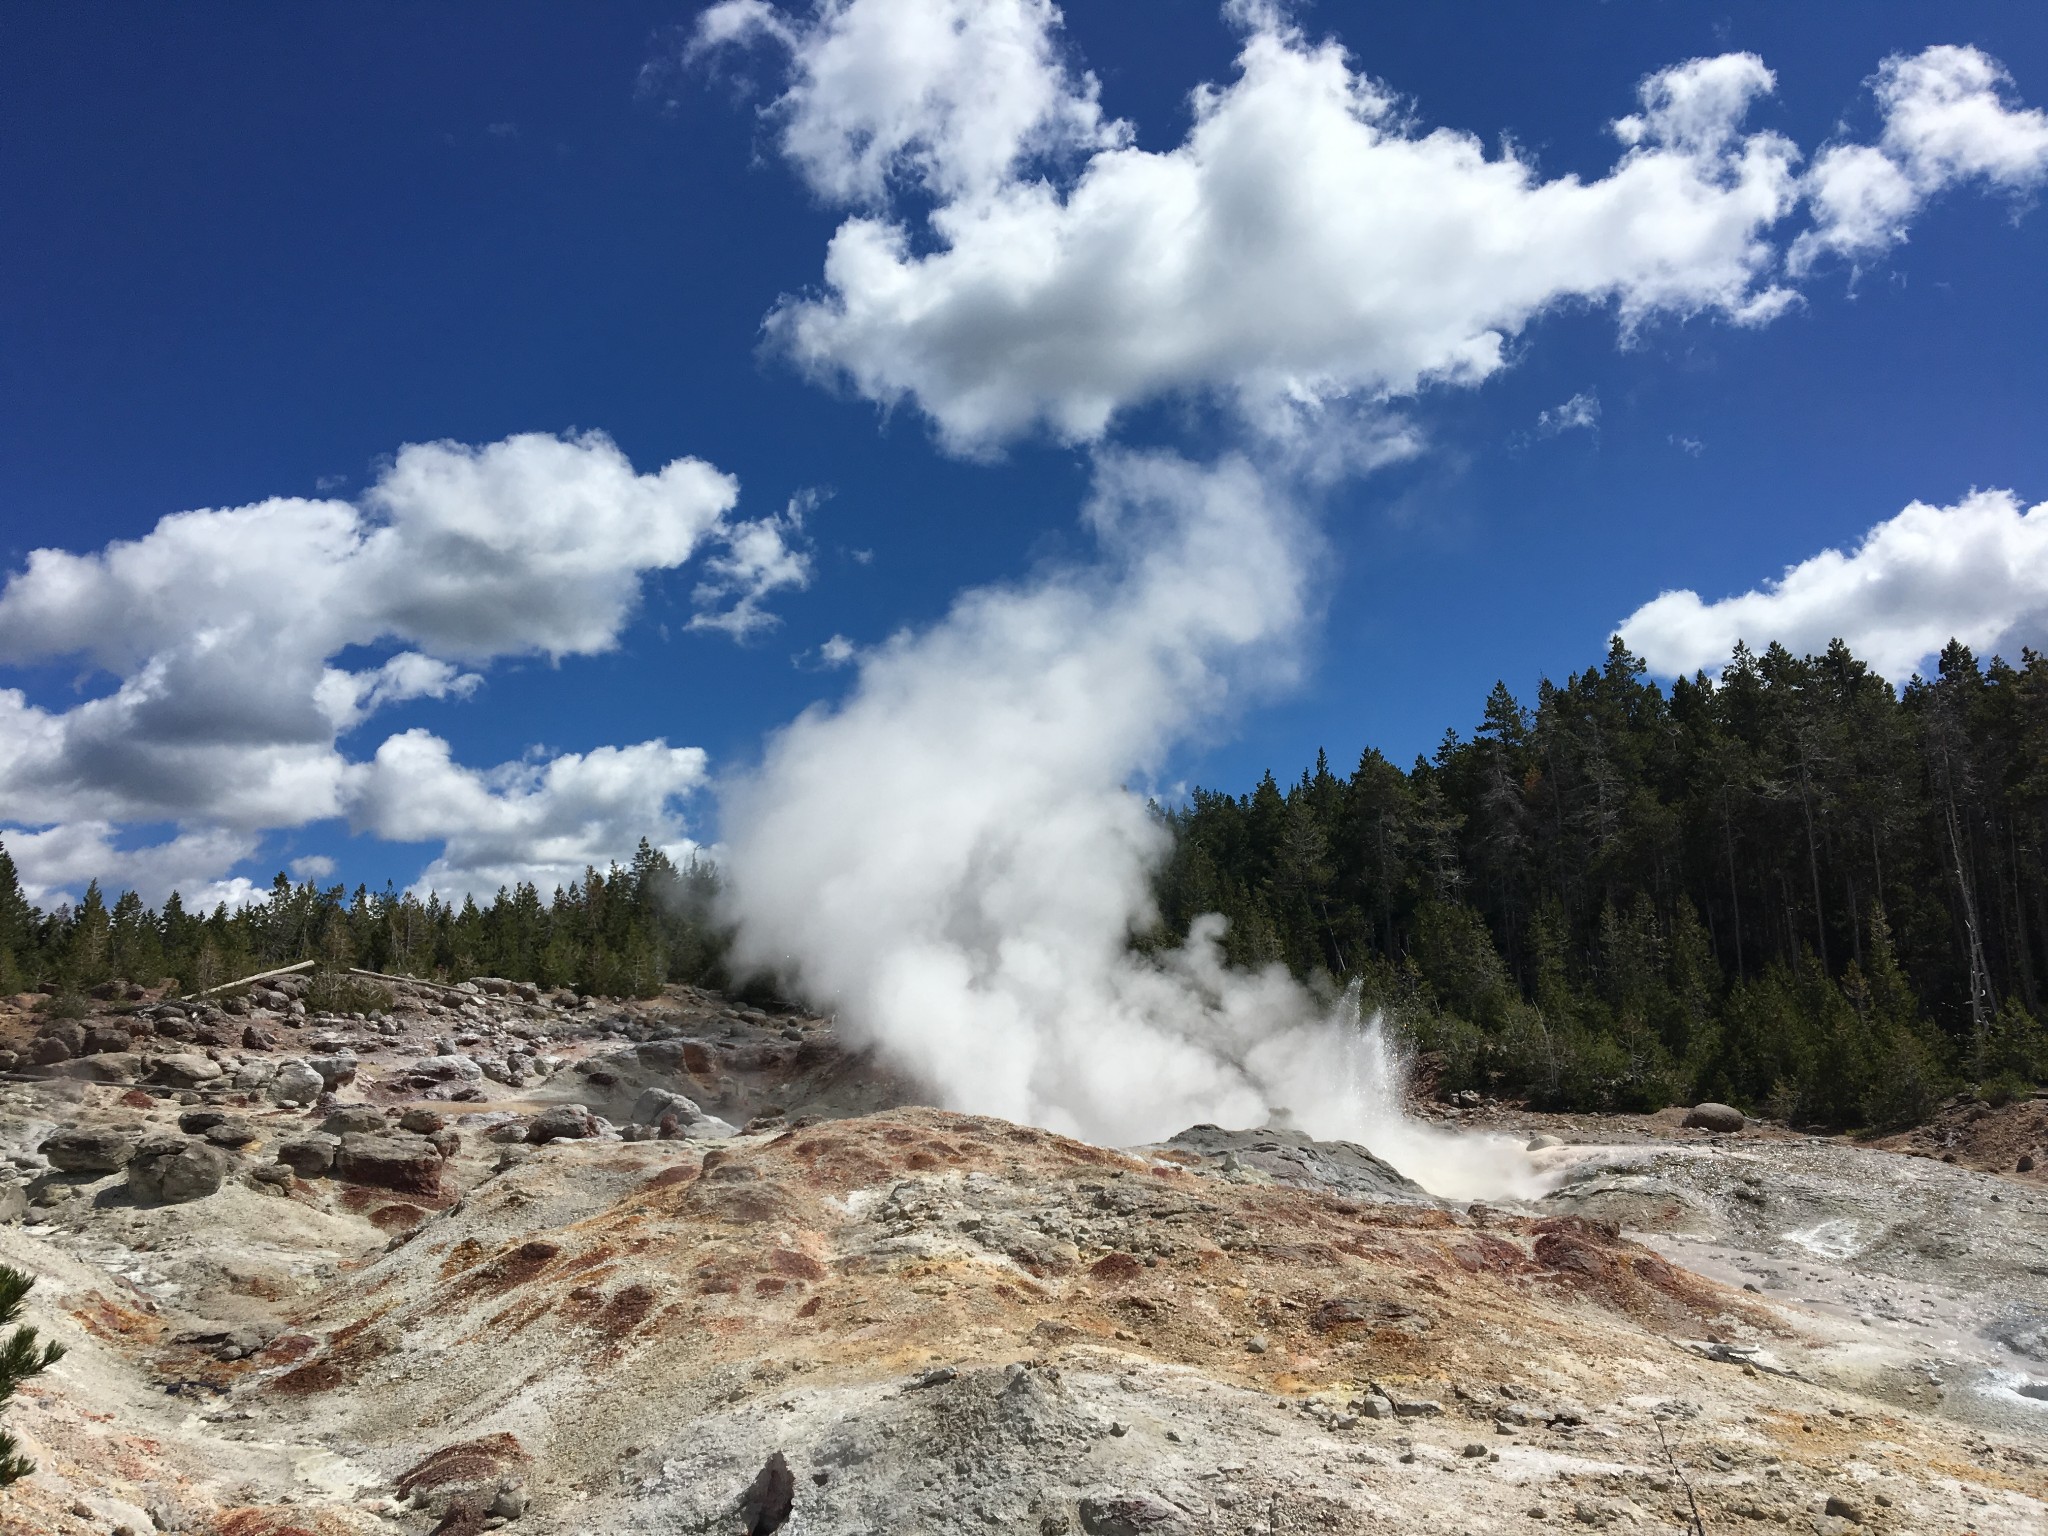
(952, 857)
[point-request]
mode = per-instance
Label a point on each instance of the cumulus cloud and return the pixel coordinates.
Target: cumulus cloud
(223, 631)
(1306, 242)
(760, 557)
(313, 866)
(544, 821)
(953, 95)
(972, 919)
(1948, 118)
(1976, 571)
(57, 863)
(1309, 241)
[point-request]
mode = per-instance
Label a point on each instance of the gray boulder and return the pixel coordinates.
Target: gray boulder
(1715, 1117)
(170, 1170)
(396, 1160)
(335, 1071)
(449, 1067)
(296, 1083)
(565, 1122)
(353, 1119)
(188, 1069)
(310, 1156)
(83, 1151)
(13, 1203)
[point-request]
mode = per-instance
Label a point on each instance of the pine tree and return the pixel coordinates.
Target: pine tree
(20, 1358)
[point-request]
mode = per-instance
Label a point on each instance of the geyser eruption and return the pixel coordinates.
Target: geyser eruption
(952, 857)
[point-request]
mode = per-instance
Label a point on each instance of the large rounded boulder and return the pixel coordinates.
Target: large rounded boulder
(1724, 1118)
(170, 1170)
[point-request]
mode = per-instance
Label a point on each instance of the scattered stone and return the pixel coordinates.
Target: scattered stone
(170, 1170)
(1842, 1509)
(1724, 1118)
(296, 1083)
(395, 1160)
(83, 1151)
(188, 1070)
(310, 1156)
(335, 1071)
(1128, 1514)
(355, 1119)
(2025, 1164)
(769, 1499)
(563, 1122)
(1417, 1408)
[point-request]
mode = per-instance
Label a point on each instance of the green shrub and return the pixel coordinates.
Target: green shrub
(329, 991)
(64, 1005)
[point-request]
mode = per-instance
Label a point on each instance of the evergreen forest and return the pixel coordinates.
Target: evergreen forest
(1789, 887)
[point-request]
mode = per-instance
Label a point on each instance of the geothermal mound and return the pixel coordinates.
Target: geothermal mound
(496, 1260)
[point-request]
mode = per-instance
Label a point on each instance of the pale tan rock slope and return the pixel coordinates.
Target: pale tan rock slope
(517, 1271)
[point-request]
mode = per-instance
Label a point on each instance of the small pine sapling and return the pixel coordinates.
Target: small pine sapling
(20, 1358)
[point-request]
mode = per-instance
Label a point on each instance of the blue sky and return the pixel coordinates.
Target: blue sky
(258, 252)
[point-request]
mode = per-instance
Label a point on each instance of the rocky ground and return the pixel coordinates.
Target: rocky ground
(489, 1259)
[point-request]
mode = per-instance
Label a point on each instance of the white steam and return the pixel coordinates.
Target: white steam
(952, 859)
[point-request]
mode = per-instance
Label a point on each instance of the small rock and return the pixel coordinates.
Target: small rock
(355, 1119)
(1475, 1450)
(1724, 1118)
(563, 1122)
(769, 1499)
(1128, 1514)
(1842, 1509)
(1376, 1407)
(83, 1151)
(310, 1156)
(1420, 1408)
(1543, 1143)
(1256, 1345)
(186, 1070)
(2025, 1164)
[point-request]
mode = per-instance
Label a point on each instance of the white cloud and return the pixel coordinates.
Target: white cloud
(838, 651)
(543, 821)
(1305, 242)
(221, 630)
(1976, 572)
(313, 866)
(1308, 242)
(1947, 119)
(955, 95)
(1581, 413)
(761, 557)
(57, 863)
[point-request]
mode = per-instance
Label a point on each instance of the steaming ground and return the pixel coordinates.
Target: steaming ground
(953, 861)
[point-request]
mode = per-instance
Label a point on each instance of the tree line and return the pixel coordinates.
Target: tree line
(1789, 887)
(621, 932)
